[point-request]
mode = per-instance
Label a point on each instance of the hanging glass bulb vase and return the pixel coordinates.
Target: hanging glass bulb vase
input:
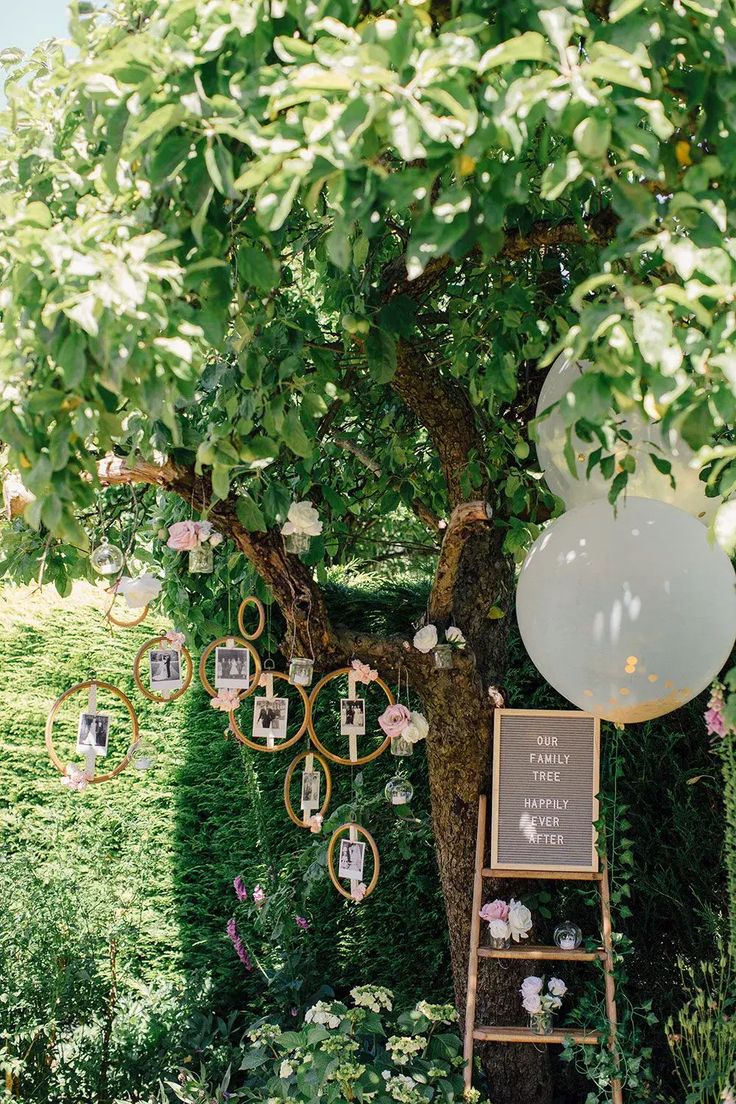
(568, 936)
(399, 791)
(201, 560)
(107, 559)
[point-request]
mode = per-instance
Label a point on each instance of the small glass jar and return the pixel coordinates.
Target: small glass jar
(297, 543)
(499, 942)
(568, 936)
(400, 746)
(541, 1023)
(399, 791)
(107, 559)
(201, 560)
(301, 671)
(443, 657)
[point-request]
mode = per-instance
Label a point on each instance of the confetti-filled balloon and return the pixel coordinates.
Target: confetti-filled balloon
(628, 616)
(647, 438)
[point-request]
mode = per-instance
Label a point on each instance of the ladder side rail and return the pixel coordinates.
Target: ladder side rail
(611, 1011)
(480, 847)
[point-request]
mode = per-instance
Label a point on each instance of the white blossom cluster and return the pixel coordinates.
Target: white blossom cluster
(403, 1048)
(437, 1013)
(323, 1013)
(374, 997)
(402, 1088)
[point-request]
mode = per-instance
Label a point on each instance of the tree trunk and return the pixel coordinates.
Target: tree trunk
(460, 714)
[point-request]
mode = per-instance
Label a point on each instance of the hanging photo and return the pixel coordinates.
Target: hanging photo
(310, 790)
(232, 668)
(352, 857)
(165, 666)
(270, 717)
(93, 733)
(352, 716)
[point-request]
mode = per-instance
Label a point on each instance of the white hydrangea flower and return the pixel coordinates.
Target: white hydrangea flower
(373, 997)
(322, 1013)
(302, 518)
(403, 1048)
(285, 1070)
(426, 639)
(437, 1013)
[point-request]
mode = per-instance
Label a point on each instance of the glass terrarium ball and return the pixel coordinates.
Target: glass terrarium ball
(568, 936)
(107, 559)
(399, 791)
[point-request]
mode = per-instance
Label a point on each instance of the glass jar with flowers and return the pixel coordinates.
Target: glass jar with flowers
(542, 1002)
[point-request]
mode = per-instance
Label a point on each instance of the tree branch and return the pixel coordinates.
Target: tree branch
(444, 409)
(465, 519)
(422, 511)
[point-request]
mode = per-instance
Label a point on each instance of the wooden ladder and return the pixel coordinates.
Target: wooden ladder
(478, 1033)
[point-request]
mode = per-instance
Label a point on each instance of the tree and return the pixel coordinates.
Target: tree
(254, 251)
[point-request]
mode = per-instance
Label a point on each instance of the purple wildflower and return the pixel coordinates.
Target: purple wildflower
(302, 923)
(240, 891)
(237, 942)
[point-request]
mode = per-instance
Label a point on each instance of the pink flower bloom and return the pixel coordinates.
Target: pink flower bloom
(259, 896)
(184, 536)
(225, 700)
(495, 910)
(240, 891)
(175, 639)
(315, 824)
(358, 891)
(363, 671)
(394, 720)
(237, 942)
(301, 922)
(714, 723)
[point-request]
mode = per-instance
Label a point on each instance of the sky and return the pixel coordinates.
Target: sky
(23, 23)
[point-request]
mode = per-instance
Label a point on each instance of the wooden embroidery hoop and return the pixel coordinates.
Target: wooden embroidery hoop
(303, 822)
(361, 759)
(230, 642)
(252, 600)
(279, 745)
(77, 689)
(331, 859)
(151, 694)
(110, 616)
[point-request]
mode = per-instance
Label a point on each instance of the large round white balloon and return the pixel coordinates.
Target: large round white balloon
(628, 616)
(647, 437)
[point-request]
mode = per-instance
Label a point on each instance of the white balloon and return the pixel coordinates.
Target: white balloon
(628, 616)
(647, 437)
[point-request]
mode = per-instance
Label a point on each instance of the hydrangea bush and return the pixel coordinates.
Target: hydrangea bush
(361, 1051)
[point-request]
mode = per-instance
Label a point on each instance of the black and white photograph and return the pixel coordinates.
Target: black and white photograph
(352, 857)
(270, 717)
(94, 729)
(352, 716)
(232, 668)
(310, 790)
(165, 671)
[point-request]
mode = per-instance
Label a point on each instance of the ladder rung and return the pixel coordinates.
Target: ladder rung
(536, 951)
(548, 875)
(526, 1035)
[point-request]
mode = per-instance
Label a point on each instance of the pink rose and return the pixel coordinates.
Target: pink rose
(175, 639)
(363, 671)
(226, 700)
(495, 910)
(394, 720)
(184, 536)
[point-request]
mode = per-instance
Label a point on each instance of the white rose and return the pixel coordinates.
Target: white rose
(556, 987)
(724, 527)
(426, 639)
(520, 920)
(532, 1003)
(139, 592)
(553, 1003)
(532, 984)
(417, 728)
(302, 518)
(216, 539)
(499, 929)
(454, 636)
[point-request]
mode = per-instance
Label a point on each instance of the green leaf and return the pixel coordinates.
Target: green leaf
(529, 46)
(219, 164)
(559, 174)
(380, 349)
(257, 268)
(592, 137)
(294, 435)
(250, 514)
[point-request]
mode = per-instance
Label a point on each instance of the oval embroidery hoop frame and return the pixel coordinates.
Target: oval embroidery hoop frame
(252, 600)
(362, 759)
(279, 745)
(331, 859)
(113, 620)
(151, 694)
(287, 787)
(77, 689)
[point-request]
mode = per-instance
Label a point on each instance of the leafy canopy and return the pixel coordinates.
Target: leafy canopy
(236, 232)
